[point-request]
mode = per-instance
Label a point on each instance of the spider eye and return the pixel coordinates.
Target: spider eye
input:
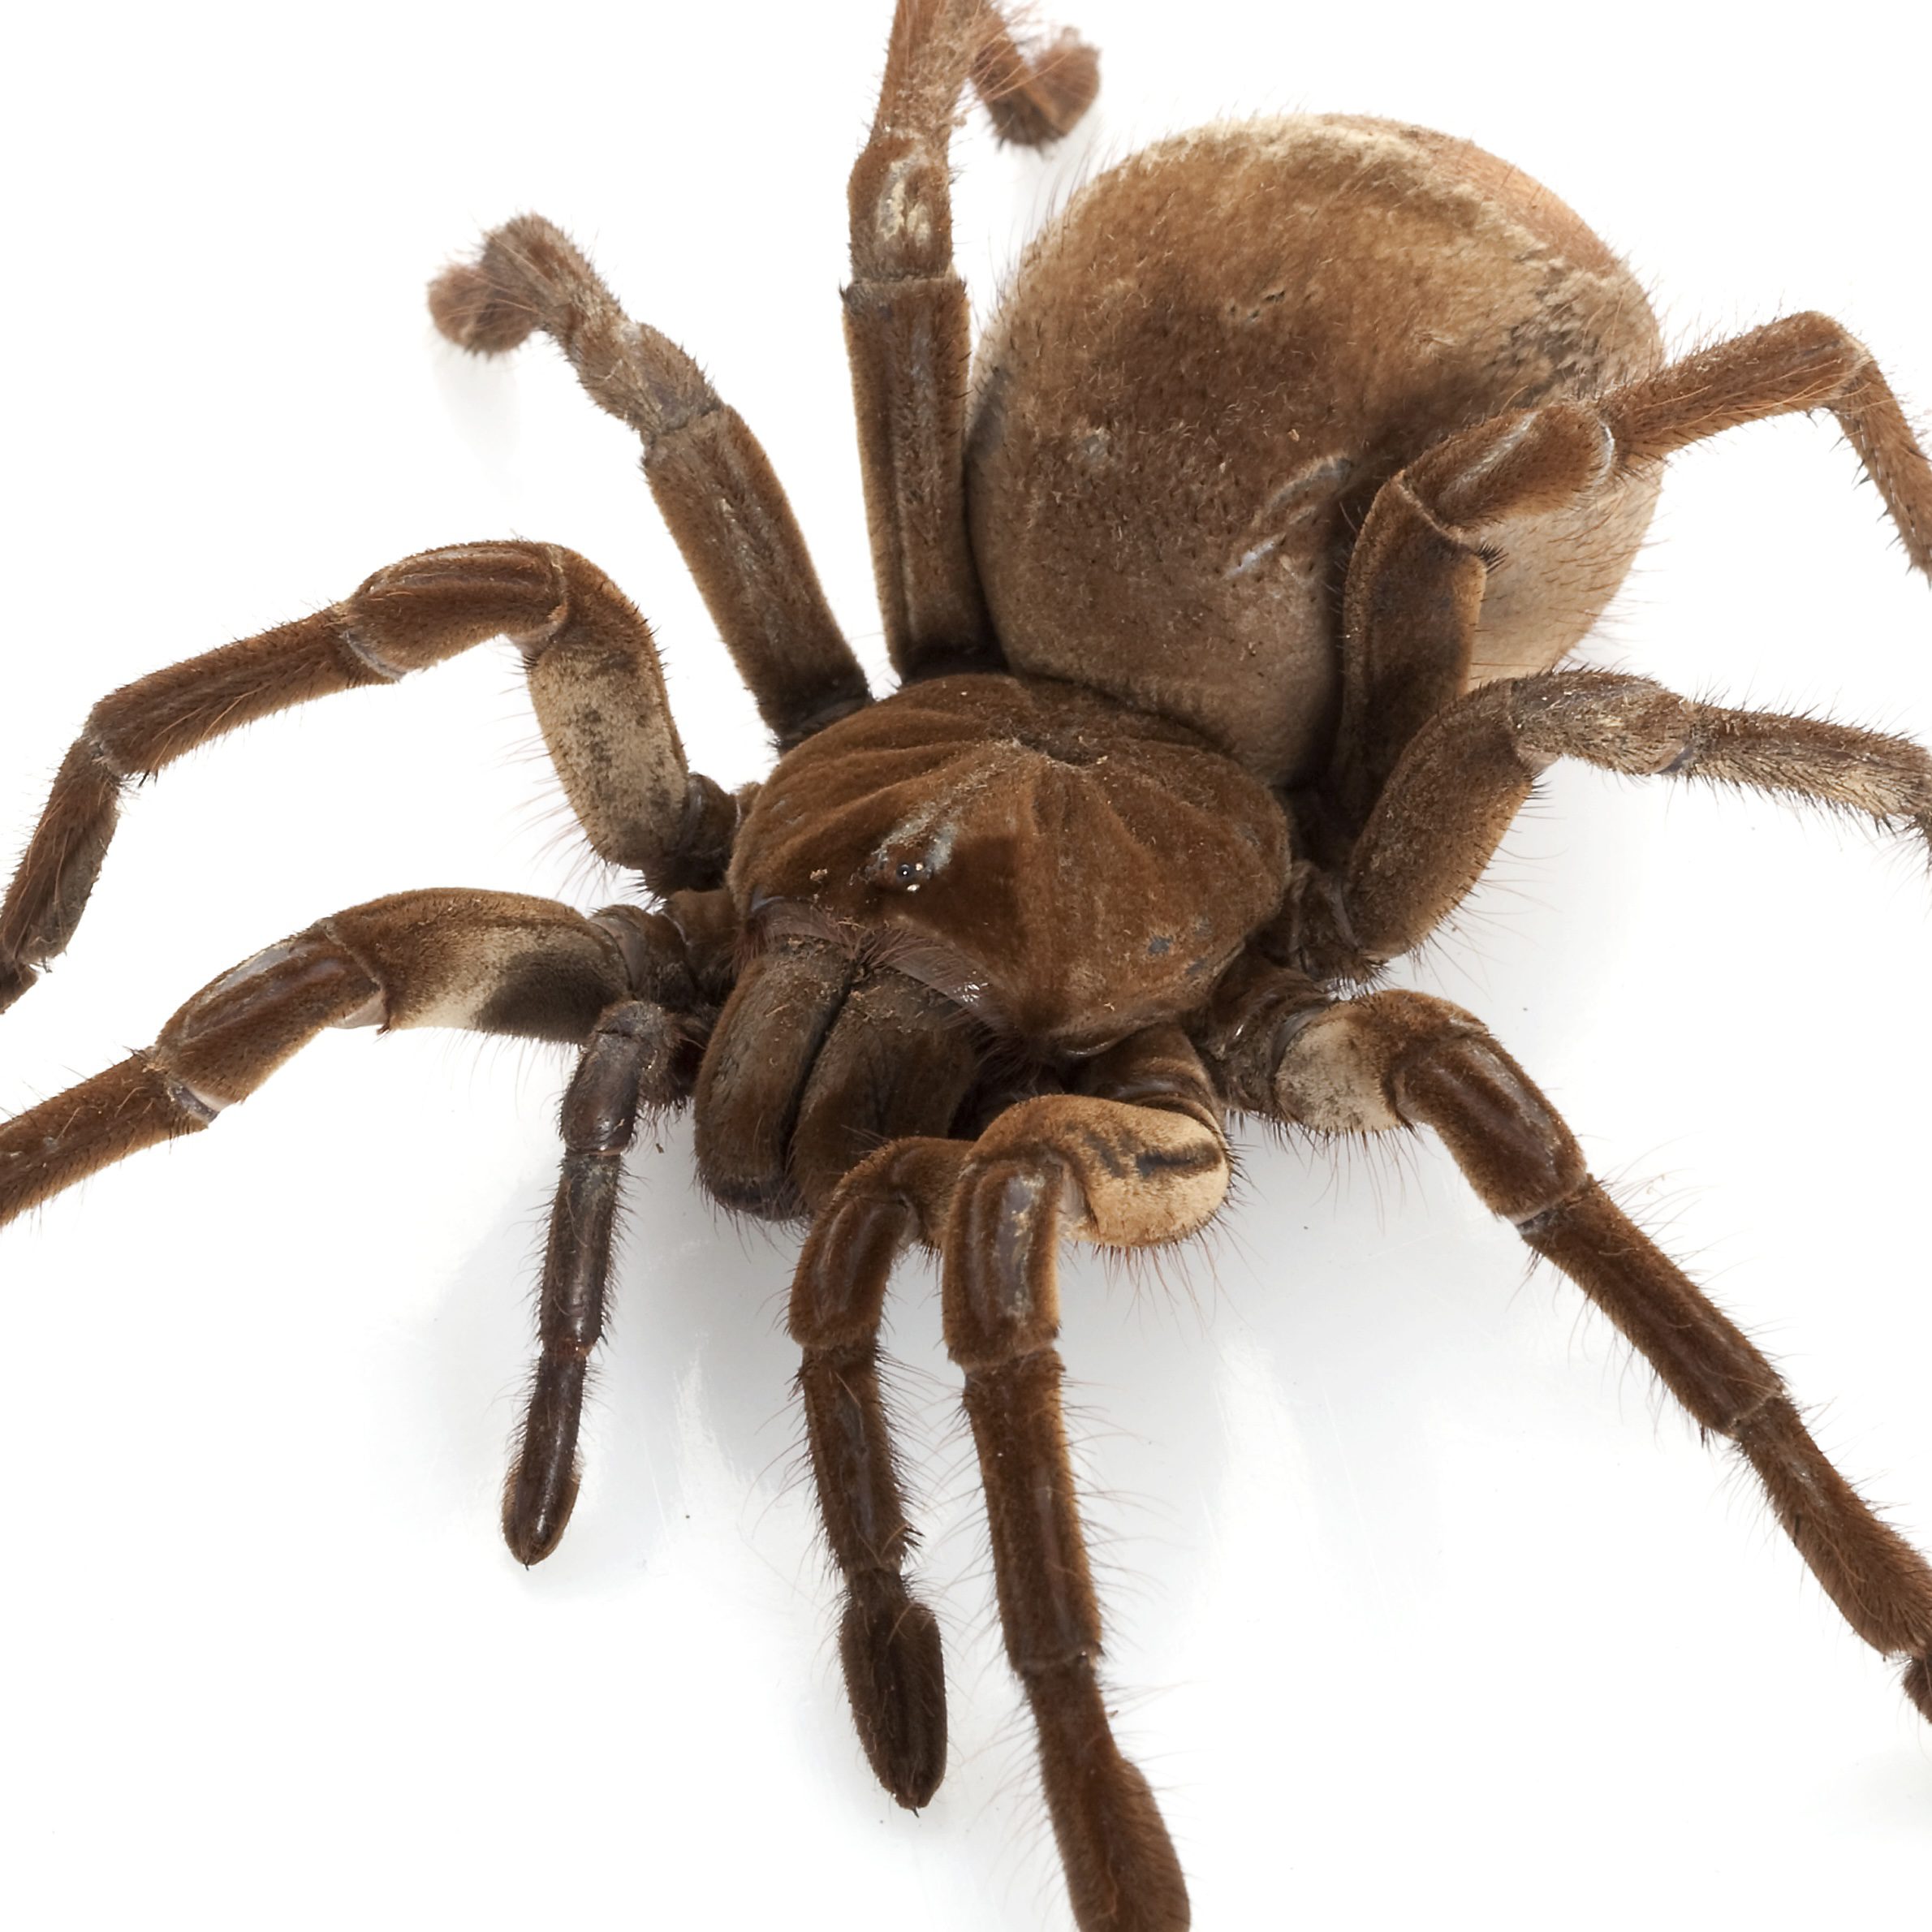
(901, 874)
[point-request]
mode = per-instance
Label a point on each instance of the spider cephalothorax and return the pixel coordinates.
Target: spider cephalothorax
(1229, 587)
(1085, 868)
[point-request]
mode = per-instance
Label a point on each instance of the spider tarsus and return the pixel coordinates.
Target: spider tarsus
(1918, 1685)
(1034, 104)
(896, 1678)
(470, 310)
(15, 979)
(1122, 1872)
(537, 1500)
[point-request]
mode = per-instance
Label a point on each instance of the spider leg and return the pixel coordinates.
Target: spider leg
(1398, 1059)
(908, 332)
(1461, 779)
(1802, 363)
(1423, 616)
(1136, 1159)
(888, 1641)
(1037, 99)
(630, 1062)
(594, 679)
(892, 1072)
(711, 478)
(486, 962)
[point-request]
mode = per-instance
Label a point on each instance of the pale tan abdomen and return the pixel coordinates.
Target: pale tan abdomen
(1209, 363)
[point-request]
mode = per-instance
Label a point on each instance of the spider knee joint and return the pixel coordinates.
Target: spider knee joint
(353, 639)
(1767, 1411)
(234, 1033)
(899, 197)
(191, 1100)
(1624, 724)
(95, 750)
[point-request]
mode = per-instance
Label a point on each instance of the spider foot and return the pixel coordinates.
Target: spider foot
(541, 1493)
(14, 980)
(1121, 1873)
(472, 308)
(895, 1679)
(1918, 1685)
(1035, 103)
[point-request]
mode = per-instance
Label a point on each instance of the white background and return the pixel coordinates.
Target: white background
(1423, 1600)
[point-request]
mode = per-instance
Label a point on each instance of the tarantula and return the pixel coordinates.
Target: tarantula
(1227, 614)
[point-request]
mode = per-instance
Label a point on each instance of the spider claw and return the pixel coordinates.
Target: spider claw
(895, 1679)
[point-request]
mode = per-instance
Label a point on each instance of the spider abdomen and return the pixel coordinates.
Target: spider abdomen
(1210, 364)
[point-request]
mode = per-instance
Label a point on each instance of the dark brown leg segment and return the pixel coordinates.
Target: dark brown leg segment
(1002, 1316)
(1136, 1159)
(595, 679)
(711, 478)
(486, 962)
(888, 1641)
(907, 331)
(1418, 574)
(630, 1062)
(1402, 1059)
(1462, 778)
(894, 1066)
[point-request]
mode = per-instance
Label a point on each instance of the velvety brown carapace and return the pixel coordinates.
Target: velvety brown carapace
(1230, 580)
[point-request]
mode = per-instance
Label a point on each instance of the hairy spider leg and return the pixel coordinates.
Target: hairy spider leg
(485, 962)
(886, 1064)
(1420, 571)
(1035, 99)
(713, 483)
(1463, 776)
(595, 679)
(1397, 1060)
(889, 1645)
(630, 1064)
(908, 334)
(1136, 1159)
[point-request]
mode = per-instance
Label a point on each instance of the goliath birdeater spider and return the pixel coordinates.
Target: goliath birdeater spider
(1229, 614)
